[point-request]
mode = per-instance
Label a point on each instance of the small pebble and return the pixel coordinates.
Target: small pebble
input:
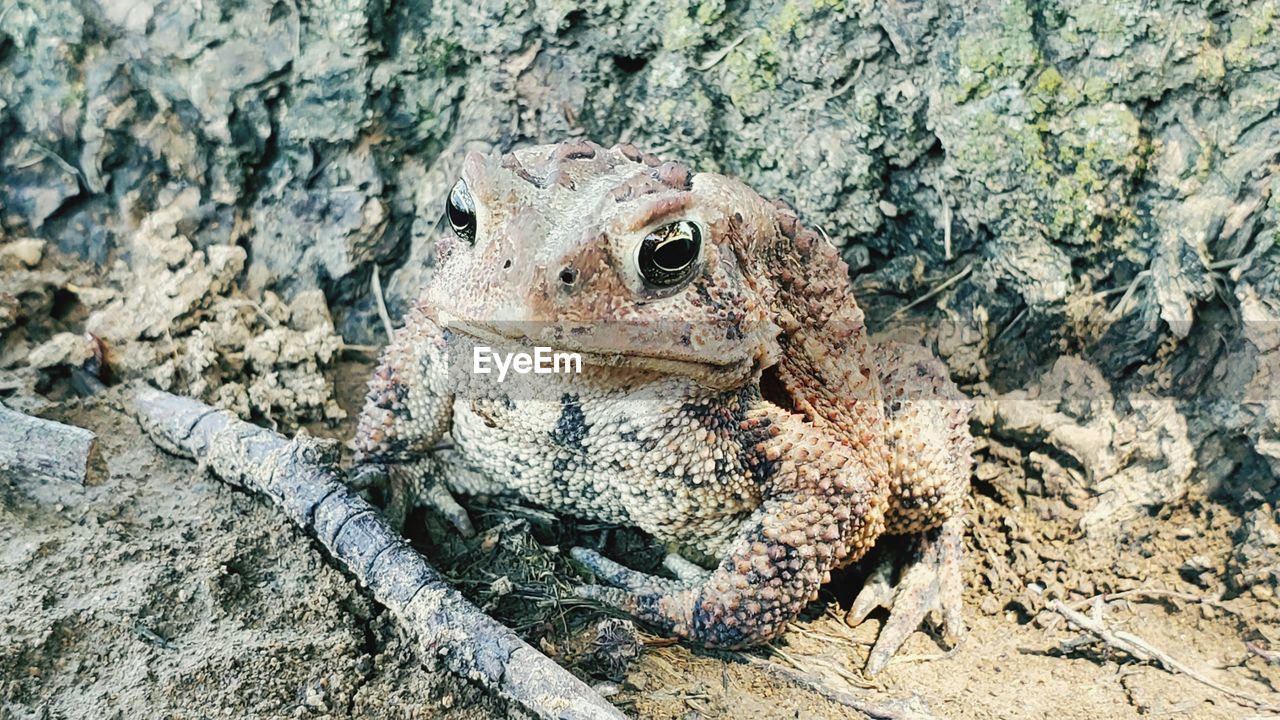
(607, 689)
(990, 605)
(26, 251)
(502, 586)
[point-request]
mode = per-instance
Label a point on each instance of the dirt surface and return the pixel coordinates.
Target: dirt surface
(155, 591)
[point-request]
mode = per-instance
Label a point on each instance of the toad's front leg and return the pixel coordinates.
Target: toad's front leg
(822, 507)
(407, 411)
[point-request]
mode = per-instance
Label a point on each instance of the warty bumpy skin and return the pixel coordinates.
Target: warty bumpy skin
(741, 414)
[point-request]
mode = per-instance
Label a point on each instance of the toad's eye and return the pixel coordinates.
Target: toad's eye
(461, 209)
(668, 255)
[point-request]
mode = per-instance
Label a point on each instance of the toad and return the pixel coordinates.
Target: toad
(727, 399)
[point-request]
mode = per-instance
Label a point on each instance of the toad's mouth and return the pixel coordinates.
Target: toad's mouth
(585, 340)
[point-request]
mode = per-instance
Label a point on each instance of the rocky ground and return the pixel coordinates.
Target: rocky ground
(1072, 203)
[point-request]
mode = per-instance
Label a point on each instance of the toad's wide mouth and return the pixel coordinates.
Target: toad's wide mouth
(587, 340)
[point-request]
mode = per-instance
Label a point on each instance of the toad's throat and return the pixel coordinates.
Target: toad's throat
(587, 342)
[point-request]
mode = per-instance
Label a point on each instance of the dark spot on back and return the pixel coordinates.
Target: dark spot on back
(571, 428)
(560, 467)
(634, 154)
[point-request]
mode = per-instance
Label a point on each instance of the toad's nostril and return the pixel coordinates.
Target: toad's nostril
(568, 276)
(506, 264)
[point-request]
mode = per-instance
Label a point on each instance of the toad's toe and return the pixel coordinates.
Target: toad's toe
(930, 588)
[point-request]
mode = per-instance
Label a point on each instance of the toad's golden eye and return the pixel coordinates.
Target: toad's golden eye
(461, 209)
(669, 254)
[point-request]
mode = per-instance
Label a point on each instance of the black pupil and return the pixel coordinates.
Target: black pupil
(461, 211)
(673, 255)
(667, 254)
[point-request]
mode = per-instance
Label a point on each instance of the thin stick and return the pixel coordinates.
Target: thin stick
(720, 54)
(934, 292)
(946, 226)
(1136, 593)
(1122, 308)
(823, 99)
(361, 349)
(44, 449)
(1271, 656)
(892, 710)
(257, 307)
(1155, 593)
(1014, 321)
(1144, 650)
(382, 306)
(298, 476)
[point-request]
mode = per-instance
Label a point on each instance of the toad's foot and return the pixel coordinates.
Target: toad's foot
(659, 601)
(408, 486)
(412, 487)
(930, 588)
(690, 573)
(772, 569)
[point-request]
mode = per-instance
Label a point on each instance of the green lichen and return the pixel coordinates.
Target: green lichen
(1096, 89)
(1049, 82)
(440, 54)
(1211, 68)
(996, 148)
(1009, 51)
(681, 31)
(866, 106)
(1204, 162)
(1108, 20)
(709, 12)
(797, 17)
(1250, 32)
(1044, 92)
(788, 18)
(665, 112)
(752, 74)
(76, 96)
(1100, 149)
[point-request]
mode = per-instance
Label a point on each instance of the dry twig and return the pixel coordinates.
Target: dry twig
(1144, 650)
(891, 710)
(298, 476)
(934, 292)
(376, 281)
(720, 54)
(44, 449)
(1153, 593)
(1270, 656)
